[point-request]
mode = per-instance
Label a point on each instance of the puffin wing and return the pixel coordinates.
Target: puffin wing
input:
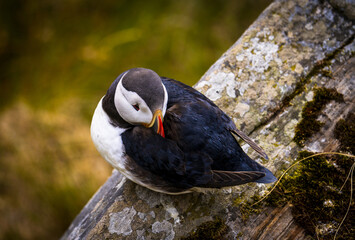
(228, 178)
(180, 92)
(162, 157)
(251, 143)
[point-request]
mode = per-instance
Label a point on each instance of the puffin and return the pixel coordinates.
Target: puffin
(170, 138)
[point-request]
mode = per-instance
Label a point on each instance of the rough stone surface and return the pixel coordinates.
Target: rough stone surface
(345, 6)
(263, 81)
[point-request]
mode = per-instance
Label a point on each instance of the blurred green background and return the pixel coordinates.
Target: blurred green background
(57, 59)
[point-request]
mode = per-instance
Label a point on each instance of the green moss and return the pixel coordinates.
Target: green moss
(345, 132)
(238, 201)
(327, 73)
(248, 208)
(212, 230)
(309, 124)
(314, 191)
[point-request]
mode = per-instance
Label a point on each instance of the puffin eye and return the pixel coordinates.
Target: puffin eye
(136, 106)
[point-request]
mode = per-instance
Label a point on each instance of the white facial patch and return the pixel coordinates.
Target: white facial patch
(124, 102)
(165, 100)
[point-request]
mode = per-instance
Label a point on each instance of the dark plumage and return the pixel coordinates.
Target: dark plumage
(199, 149)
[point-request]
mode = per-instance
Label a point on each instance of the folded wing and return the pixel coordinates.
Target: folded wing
(228, 178)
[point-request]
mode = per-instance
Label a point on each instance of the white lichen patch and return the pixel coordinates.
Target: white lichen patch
(166, 227)
(309, 26)
(298, 68)
(245, 147)
(227, 190)
(140, 234)
(120, 222)
(241, 109)
(314, 147)
(262, 188)
(258, 62)
(152, 213)
(259, 55)
(173, 213)
(244, 85)
(218, 82)
(289, 128)
(309, 96)
(142, 216)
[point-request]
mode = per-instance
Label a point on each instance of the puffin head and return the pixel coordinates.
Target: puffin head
(139, 98)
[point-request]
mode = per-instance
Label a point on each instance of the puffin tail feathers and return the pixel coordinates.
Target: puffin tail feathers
(268, 178)
(230, 178)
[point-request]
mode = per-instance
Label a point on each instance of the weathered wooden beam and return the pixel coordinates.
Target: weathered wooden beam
(263, 82)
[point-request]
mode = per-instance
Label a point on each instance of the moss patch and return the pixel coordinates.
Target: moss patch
(314, 191)
(345, 132)
(213, 230)
(309, 124)
(248, 208)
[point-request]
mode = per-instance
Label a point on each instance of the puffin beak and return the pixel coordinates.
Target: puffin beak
(157, 123)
